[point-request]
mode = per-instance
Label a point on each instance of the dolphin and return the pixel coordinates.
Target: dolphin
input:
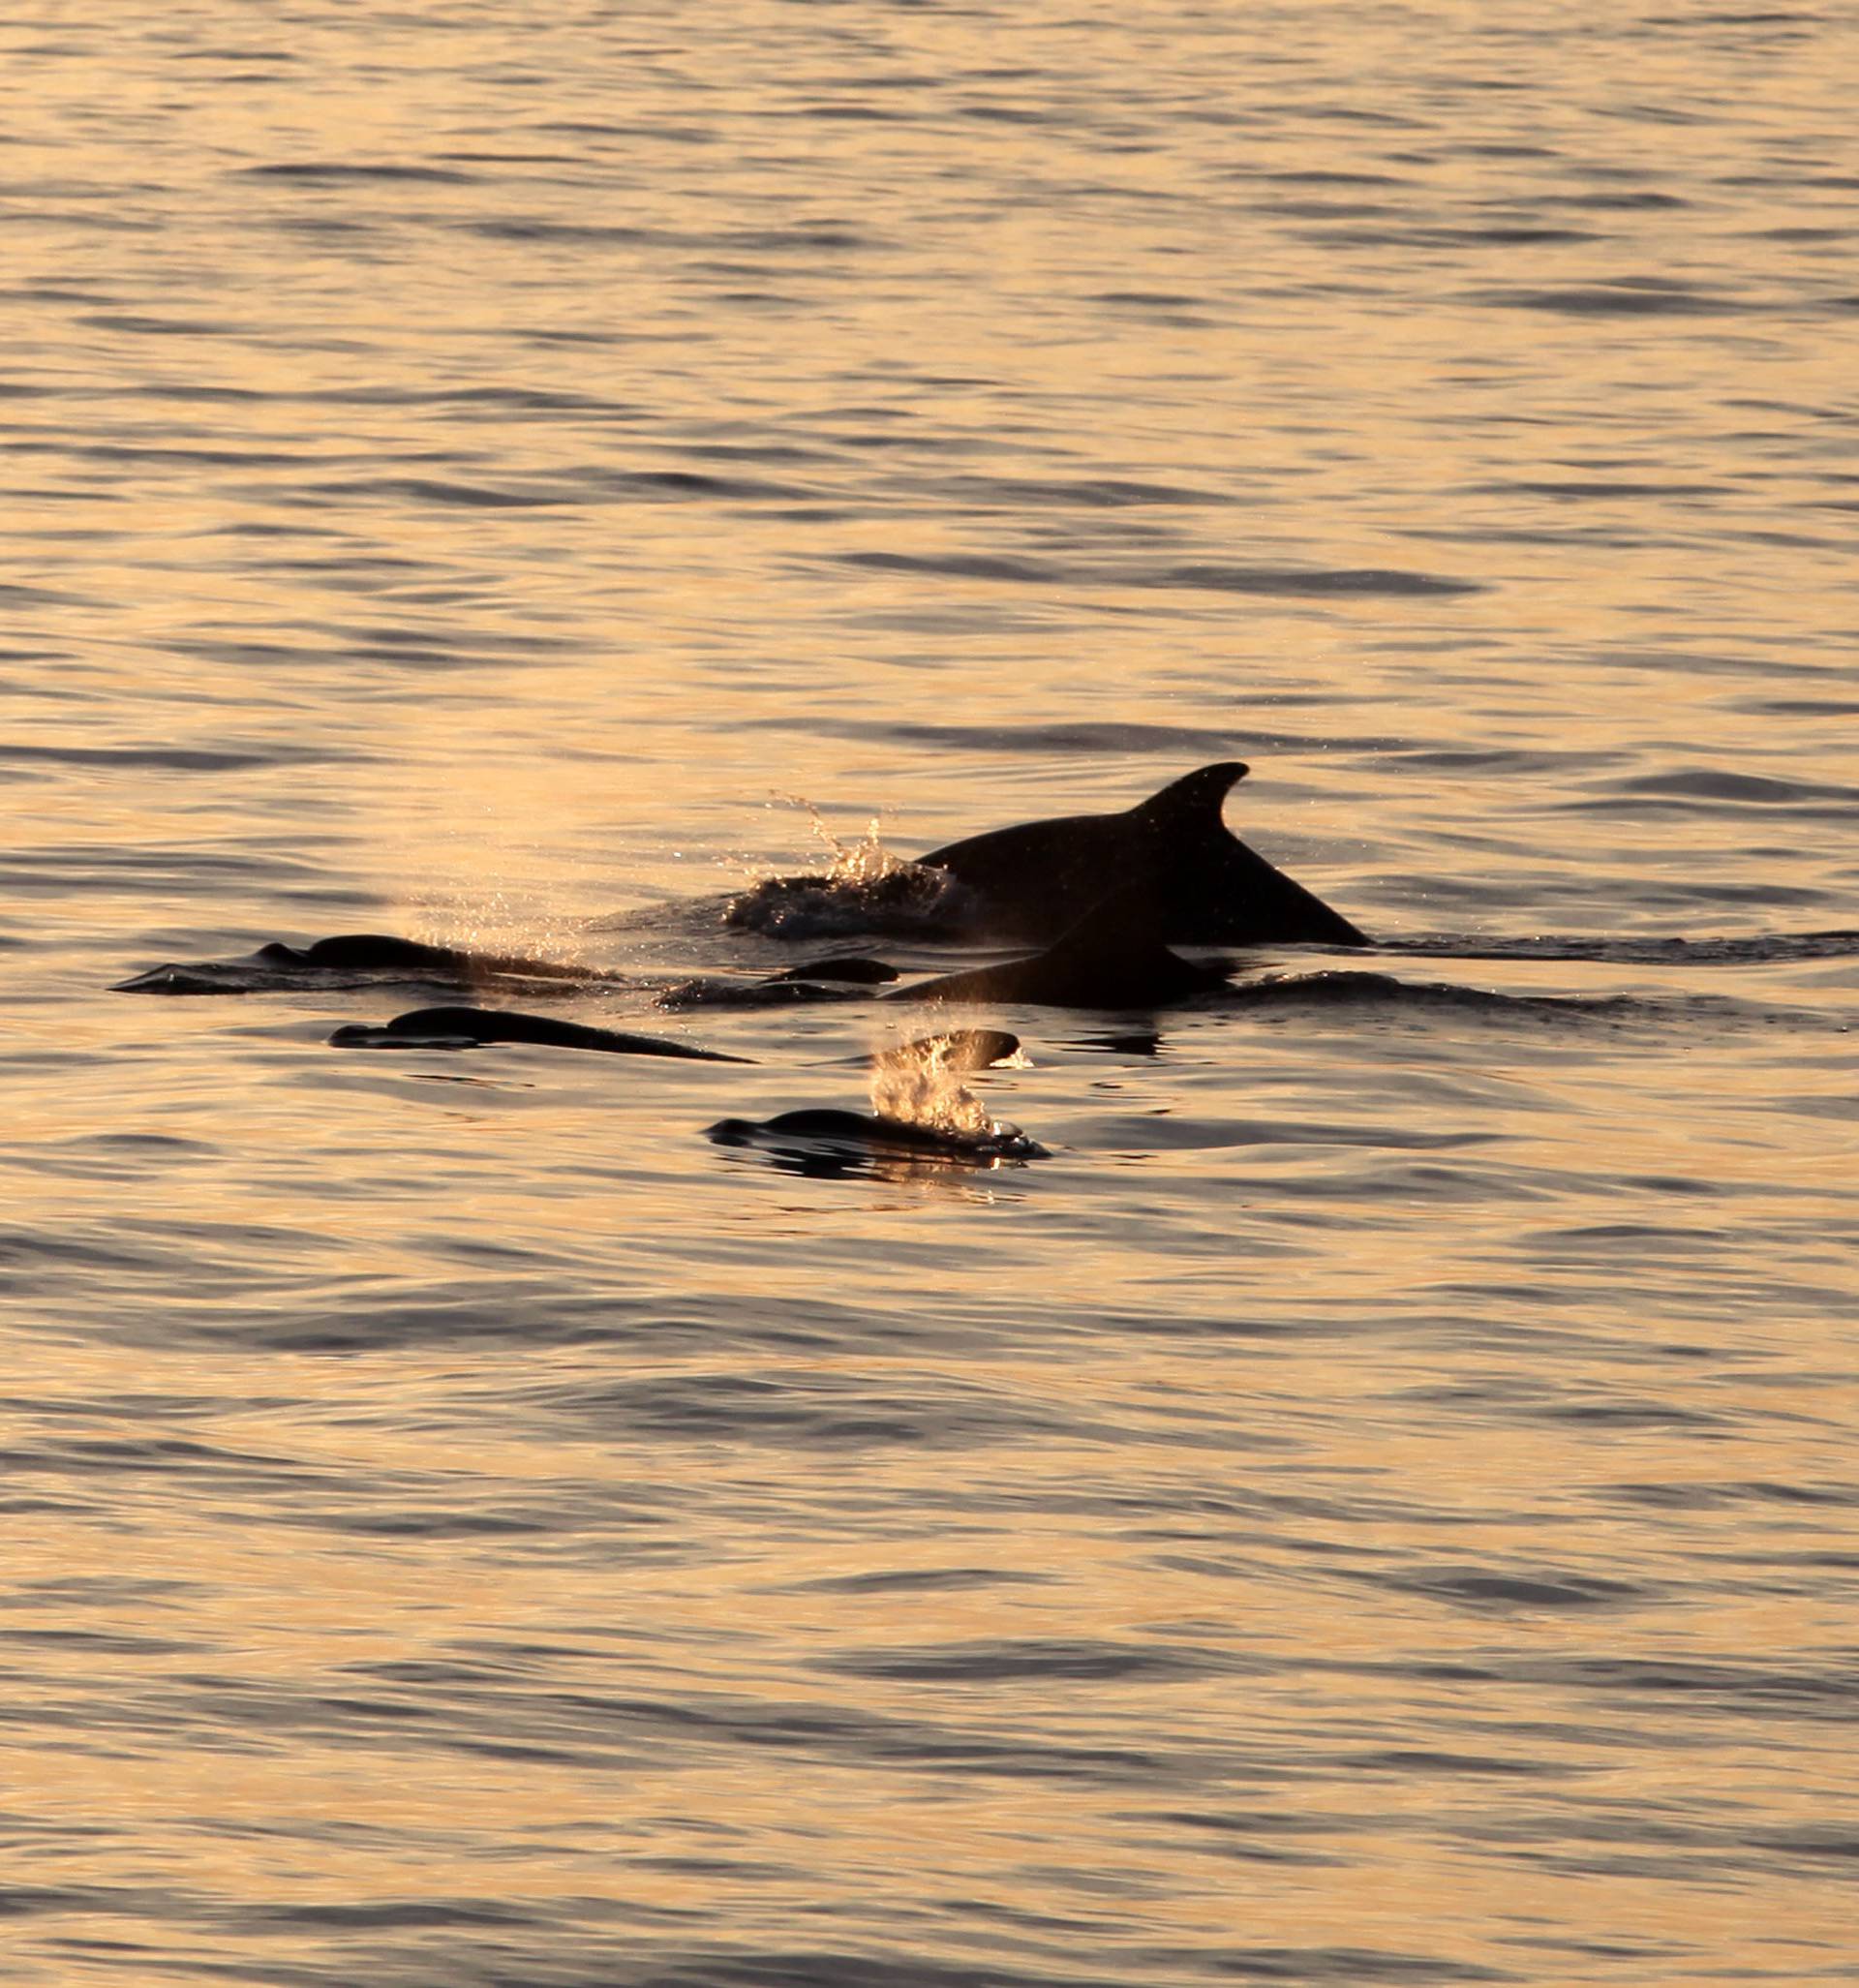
(329, 962)
(1112, 957)
(364, 957)
(824, 1141)
(956, 1051)
(853, 969)
(1036, 880)
(378, 952)
(459, 1029)
(1033, 881)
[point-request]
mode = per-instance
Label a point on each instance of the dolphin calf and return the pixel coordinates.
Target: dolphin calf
(958, 1051)
(376, 952)
(458, 1029)
(853, 969)
(358, 958)
(824, 1141)
(1112, 957)
(1036, 880)
(364, 958)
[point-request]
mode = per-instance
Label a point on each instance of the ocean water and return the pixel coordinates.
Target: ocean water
(1377, 1502)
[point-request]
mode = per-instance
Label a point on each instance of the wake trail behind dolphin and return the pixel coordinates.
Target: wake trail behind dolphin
(1757, 950)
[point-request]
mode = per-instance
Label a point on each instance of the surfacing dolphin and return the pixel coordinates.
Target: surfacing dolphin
(379, 952)
(358, 959)
(459, 1029)
(1209, 888)
(826, 1142)
(956, 1051)
(367, 959)
(1034, 881)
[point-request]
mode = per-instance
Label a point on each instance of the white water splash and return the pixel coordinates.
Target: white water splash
(864, 889)
(866, 860)
(919, 1085)
(498, 921)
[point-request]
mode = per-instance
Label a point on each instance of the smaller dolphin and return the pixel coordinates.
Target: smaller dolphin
(458, 1029)
(364, 957)
(378, 952)
(820, 1140)
(956, 1051)
(855, 969)
(1112, 957)
(369, 954)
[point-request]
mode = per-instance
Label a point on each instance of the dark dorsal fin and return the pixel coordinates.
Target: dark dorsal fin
(1191, 806)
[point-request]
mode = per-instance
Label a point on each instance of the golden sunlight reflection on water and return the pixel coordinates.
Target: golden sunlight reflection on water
(1374, 1503)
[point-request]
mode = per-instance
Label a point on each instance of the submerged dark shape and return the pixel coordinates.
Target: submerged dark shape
(1351, 990)
(854, 969)
(824, 1141)
(1626, 949)
(367, 954)
(841, 979)
(1112, 957)
(378, 952)
(454, 1029)
(1036, 880)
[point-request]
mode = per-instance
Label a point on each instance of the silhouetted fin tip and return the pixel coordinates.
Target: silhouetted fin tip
(1201, 792)
(1038, 878)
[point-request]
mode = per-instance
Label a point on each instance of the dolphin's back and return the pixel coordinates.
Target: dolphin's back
(1037, 880)
(1113, 957)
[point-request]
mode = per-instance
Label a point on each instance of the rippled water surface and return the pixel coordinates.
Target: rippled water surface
(1376, 1503)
